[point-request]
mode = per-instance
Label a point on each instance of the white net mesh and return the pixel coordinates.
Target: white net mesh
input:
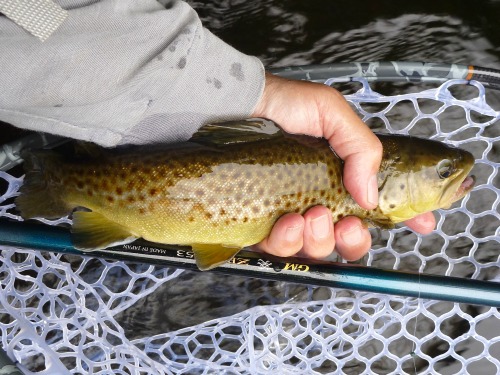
(62, 313)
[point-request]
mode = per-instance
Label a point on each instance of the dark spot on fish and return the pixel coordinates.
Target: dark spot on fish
(171, 48)
(339, 190)
(208, 215)
(402, 186)
(339, 216)
(392, 205)
(289, 158)
(119, 191)
(123, 175)
(134, 169)
(142, 211)
(245, 219)
(288, 204)
(222, 212)
(234, 219)
(255, 209)
(322, 193)
(80, 185)
(227, 222)
(299, 195)
(131, 199)
(182, 63)
(142, 197)
(58, 105)
(246, 202)
(331, 172)
(306, 200)
(217, 83)
(153, 192)
(191, 219)
(266, 202)
(237, 72)
(110, 199)
(277, 202)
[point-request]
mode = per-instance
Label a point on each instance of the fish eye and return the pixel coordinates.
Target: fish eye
(444, 168)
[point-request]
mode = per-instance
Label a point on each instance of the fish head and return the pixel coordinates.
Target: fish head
(420, 175)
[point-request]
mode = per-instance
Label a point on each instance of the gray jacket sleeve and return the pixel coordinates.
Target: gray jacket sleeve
(124, 71)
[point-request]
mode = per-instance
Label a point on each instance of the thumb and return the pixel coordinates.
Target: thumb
(356, 144)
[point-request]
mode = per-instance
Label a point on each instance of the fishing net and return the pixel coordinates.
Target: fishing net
(71, 314)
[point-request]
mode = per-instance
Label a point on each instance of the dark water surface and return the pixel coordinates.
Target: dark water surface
(284, 33)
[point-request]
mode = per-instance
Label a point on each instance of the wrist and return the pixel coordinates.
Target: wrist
(262, 109)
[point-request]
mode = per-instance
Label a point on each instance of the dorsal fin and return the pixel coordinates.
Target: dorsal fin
(84, 149)
(240, 131)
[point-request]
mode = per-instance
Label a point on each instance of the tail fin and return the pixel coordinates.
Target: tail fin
(39, 197)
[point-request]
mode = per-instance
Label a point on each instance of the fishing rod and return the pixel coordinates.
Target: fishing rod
(265, 266)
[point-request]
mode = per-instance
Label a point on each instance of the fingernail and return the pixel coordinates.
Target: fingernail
(353, 236)
(320, 227)
(293, 234)
(373, 191)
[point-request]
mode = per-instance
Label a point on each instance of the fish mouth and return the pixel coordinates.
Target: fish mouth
(465, 187)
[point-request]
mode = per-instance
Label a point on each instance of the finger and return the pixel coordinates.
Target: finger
(286, 237)
(423, 224)
(356, 144)
(319, 238)
(352, 238)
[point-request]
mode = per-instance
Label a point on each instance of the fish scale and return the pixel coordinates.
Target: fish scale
(226, 189)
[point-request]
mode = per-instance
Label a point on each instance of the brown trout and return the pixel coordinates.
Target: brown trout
(225, 188)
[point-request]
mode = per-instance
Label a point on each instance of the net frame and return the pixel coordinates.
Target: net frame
(48, 323)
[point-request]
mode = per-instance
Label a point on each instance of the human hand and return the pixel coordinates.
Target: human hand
(314, 109)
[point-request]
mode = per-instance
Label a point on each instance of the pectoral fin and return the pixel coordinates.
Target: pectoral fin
(209, 256)
(383, 223)
(93, 231)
